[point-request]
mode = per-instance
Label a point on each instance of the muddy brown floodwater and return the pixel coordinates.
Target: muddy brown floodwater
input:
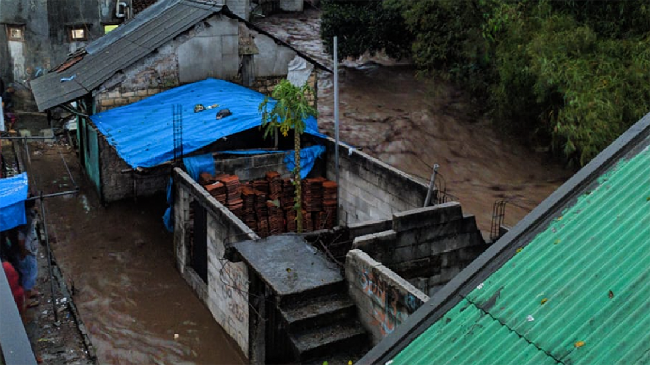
(412, 125)
(119, 261)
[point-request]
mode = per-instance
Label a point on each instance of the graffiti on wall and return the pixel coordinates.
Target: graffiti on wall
(389, 305)
(229, 288)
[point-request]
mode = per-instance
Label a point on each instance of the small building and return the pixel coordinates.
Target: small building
(37, 35)
(329, 293)
(564, 286)
(169, 44)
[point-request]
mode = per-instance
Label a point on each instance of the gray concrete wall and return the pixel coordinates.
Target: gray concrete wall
(240, 7)
(384, 300)
(252, 167)
(426, 246)
(371, 189)
(273, 59)
(46, 22)
(227, 287)
(209, 49)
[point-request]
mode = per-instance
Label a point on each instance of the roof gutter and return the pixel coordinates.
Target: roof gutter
(502, 250)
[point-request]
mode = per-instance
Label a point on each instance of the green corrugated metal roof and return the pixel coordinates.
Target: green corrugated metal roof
(584, 280)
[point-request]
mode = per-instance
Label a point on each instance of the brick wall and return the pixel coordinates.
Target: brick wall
(426, 246)
(116, 185)
(226, 290)
(384, 300)
(370, 189)
(111, 99)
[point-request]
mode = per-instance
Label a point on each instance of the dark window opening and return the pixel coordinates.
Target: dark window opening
(198, 248)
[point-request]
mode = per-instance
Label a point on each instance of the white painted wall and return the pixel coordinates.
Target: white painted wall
(17, 54)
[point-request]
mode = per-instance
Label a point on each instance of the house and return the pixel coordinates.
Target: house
(326, 294)
(171, 43)
(565, 285)
(38, 35)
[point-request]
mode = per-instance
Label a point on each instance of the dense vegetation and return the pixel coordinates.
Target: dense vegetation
(573, 74)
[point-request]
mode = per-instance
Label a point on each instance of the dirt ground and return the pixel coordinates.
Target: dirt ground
(119, 266)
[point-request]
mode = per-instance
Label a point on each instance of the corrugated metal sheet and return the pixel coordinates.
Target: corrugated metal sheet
(578, 291)
(119, 49)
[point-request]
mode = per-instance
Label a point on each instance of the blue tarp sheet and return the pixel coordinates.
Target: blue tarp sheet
(13, 192)
(195, 166)
(199, 164)
(308, 157)
(142, 132)
(168, 217)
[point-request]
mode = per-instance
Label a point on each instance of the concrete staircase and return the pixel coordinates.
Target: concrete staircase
(322, 326)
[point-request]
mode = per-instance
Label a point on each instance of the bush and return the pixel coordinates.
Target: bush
(362, 26)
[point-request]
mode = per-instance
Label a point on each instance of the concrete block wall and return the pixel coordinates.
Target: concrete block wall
(226, 291)
(252, 167)
(116, 185)
(370, 189)
(427, 246)
(384, 300)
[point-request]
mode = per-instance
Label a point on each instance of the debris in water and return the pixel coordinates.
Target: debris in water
(611, 294)
(579, 344)
(544, 301)
(84, 202)
(530, 318)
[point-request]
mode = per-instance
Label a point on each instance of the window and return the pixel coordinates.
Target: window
(109, 27)
(78, 33)
(16, 32)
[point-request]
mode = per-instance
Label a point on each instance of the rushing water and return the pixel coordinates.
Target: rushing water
(136, 306)
(412, 125)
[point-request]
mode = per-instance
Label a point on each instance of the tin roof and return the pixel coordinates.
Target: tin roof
(161, 22)
(577, 293)
(119, 49)
(568, 284)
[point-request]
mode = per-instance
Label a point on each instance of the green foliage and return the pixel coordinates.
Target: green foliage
(290, 110)
(292, 107)
(572, 73)
(363, 25)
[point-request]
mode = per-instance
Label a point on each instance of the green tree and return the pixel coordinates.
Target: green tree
(291, 108)
(364, 25)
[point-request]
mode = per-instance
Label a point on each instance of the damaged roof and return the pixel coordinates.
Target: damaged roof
(567, 285)
(158, 24)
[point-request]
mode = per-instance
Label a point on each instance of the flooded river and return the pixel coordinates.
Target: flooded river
(390, 114)
(132, 299)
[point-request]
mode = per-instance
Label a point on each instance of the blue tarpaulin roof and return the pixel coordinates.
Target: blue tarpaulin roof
(142, 132)
(13, 192)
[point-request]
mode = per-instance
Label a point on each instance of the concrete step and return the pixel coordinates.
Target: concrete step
(342, 358)
(318, 311)
(328, 340)
(306, 296)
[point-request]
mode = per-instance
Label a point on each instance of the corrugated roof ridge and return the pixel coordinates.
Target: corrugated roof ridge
(480, 308)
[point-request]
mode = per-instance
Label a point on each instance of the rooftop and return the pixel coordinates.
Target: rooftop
(565, 285)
